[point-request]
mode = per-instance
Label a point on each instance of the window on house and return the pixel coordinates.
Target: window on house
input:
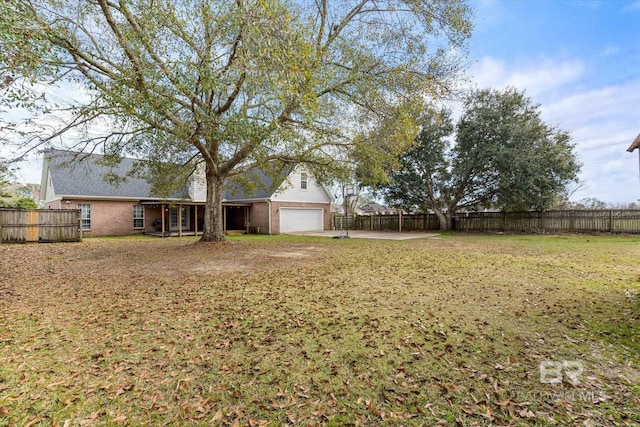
(138, 216)
(85, 216)
(303, 181)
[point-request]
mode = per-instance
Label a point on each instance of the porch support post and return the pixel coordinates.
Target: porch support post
(180, 220)
(247, 221)
(162, 209)
(195, 219)
(224, 219)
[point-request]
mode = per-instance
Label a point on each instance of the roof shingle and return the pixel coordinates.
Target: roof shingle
(82, 175)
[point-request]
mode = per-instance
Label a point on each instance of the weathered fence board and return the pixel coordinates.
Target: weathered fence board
(607, 220)
(39, 225)
(339, 222)
(576, 220)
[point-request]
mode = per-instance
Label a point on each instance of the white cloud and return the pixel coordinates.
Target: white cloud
(535, 78)
(601, 120)
(489, 72)
(599, 116)
(610, 51)
(633, 6)
(614, 166)
(59, 97)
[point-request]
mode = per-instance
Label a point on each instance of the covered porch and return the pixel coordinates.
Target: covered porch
(187, 219)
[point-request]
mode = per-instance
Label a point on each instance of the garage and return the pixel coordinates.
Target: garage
(299, 219)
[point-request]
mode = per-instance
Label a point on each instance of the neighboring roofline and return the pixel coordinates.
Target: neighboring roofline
(635, 144)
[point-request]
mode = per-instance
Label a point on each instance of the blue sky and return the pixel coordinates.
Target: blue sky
(580, 61)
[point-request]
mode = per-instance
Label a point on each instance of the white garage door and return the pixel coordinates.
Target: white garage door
(297, 219)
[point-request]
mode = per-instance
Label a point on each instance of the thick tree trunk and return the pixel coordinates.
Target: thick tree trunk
(213, 219)
(444, 218)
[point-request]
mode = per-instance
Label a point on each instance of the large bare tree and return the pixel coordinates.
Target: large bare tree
(236, 84)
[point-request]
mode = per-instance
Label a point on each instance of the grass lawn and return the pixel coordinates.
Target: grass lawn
(313, 331)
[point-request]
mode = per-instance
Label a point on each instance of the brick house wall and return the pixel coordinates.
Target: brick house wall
(108, 217)
(259, 215)
(115, 217)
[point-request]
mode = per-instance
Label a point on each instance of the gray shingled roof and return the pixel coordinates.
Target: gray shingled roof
(260, 185)
(81, 174)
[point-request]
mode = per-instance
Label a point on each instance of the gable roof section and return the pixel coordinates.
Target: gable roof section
(261, 185)
(81, 175)
(77, 174)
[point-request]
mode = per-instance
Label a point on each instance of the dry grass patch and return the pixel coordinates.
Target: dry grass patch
(312, 331)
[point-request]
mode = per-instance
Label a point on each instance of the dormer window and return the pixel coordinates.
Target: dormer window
(303, 181)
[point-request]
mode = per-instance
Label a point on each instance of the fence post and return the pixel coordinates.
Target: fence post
(571, 219)
(79, 223)
(610, 220)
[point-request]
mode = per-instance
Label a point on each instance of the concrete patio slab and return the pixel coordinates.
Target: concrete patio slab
(363, 234)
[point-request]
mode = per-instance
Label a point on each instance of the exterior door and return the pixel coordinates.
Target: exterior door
(185, 217)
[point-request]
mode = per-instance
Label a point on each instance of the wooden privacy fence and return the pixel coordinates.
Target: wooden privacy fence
(575, 220)
(339, 222)
(414, 222)
(578, 220)
(39, 225)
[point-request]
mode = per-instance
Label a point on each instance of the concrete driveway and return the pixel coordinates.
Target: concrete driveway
(363, 234)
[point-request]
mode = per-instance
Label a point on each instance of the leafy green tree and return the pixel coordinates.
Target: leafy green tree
(20, 46)
(5, 176)
(232, 85)
(589, 203)
(500, 154)
(25, 203)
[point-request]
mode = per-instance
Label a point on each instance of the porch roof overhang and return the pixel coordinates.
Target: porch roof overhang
(171, 202)
(246, 201)
(189, 202)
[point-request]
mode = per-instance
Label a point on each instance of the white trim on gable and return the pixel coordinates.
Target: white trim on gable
(198, 184)
(47, 192)
(290, 190)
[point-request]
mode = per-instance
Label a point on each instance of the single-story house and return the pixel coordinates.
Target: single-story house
(374, 208)
(294, 201)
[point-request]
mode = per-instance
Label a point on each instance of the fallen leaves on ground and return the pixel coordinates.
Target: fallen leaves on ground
(304, 331)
